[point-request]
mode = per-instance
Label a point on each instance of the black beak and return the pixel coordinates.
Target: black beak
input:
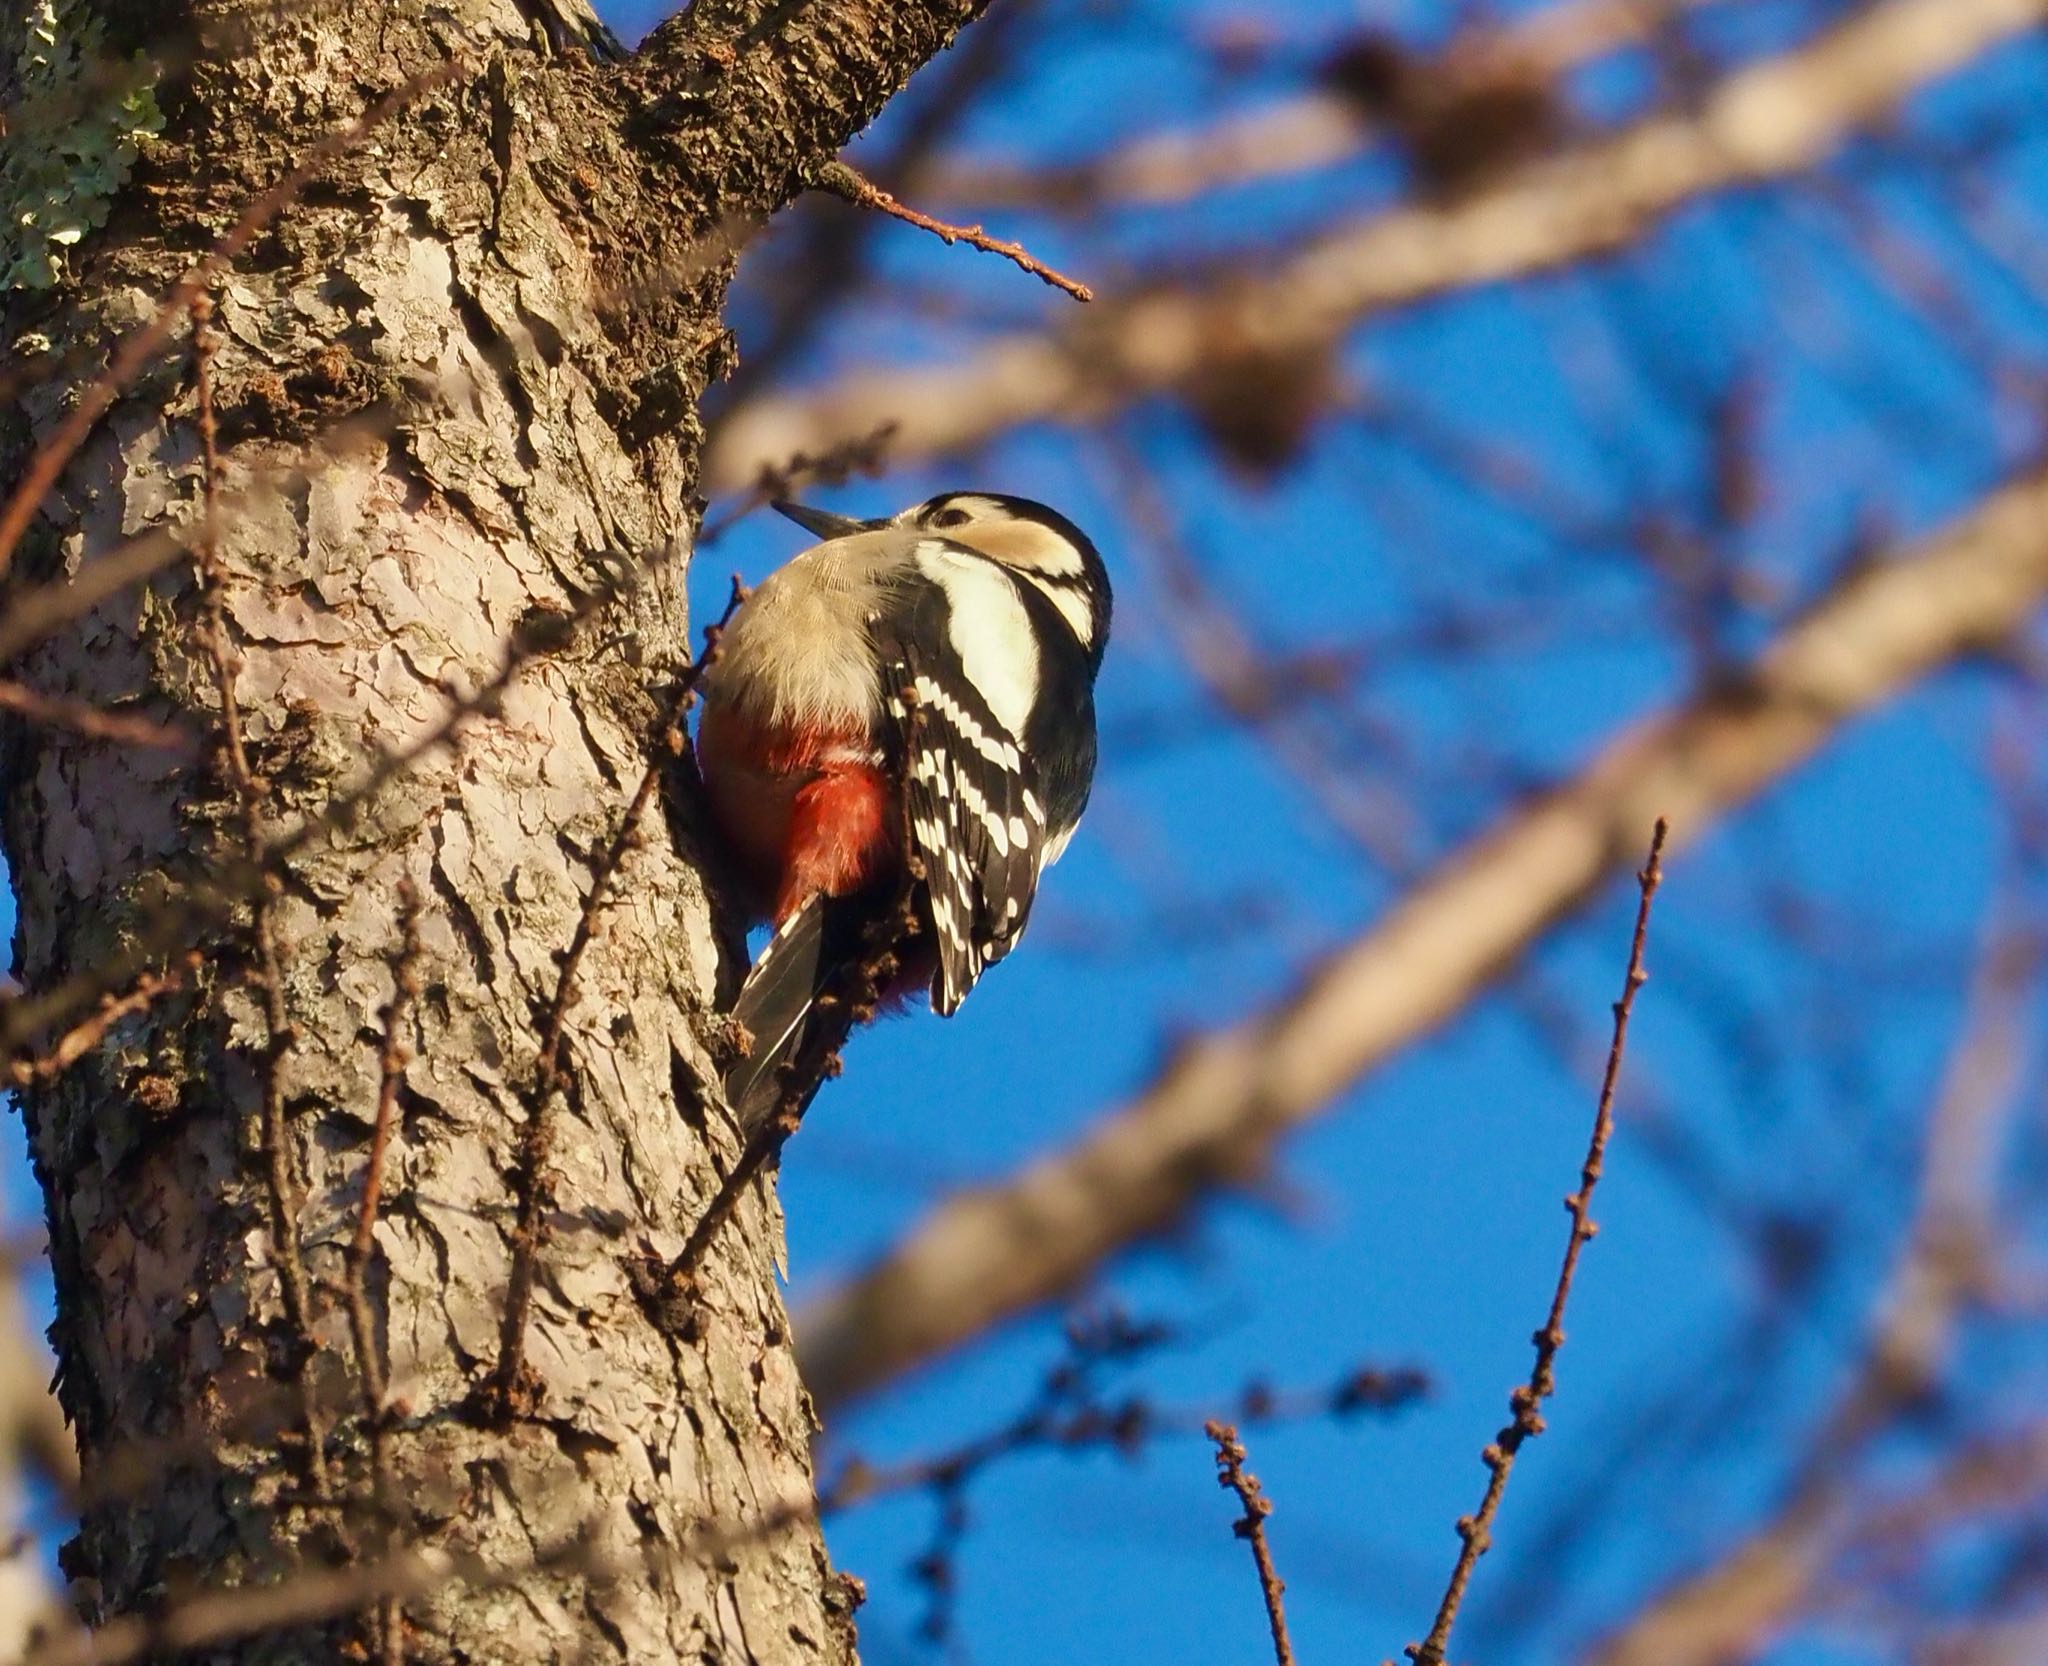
(822, 521)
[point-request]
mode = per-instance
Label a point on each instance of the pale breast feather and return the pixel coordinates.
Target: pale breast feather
(797, 654)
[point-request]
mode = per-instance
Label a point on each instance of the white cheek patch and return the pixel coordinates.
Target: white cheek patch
(1073, 606)
(989, 630)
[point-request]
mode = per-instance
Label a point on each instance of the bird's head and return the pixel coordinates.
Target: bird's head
(1036, 542)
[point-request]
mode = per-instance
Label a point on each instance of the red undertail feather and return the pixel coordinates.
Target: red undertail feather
(839, 840)
(808, 812)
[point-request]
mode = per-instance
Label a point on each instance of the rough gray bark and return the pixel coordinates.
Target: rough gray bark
(456, 382)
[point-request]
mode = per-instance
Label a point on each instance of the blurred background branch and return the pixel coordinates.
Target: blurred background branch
(1762, 122)
(37, 1458)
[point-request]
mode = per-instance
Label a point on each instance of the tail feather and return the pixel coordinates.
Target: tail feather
(793, 1032)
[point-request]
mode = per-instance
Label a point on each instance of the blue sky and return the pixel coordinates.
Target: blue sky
(1778, 1071)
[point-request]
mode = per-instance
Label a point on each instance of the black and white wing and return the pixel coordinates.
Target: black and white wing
(960, 672)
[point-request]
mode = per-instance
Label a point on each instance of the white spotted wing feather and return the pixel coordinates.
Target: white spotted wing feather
(968, 661)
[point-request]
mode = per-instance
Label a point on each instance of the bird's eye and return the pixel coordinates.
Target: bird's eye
(951, 517)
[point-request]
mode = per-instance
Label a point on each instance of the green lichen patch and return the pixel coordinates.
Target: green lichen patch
(72, 137)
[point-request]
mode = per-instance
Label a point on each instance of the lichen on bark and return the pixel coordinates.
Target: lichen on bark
(76, 121)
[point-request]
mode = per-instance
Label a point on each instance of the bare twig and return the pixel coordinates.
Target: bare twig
(862, 454)
(314, 1594)
(282, 1186)
(75, 1043)
(392, 1057)
(1312, 129)
(506, 1389)
(1749, 1591)
(1063, 1415)
(764, 1146)
(220, 1616)
(1071, 1413)
(1251, 1527)
(34, 614)
(1241, 674)
(93, 400)
(1067, 1415)
(854, 993)
(372, 1368)
(844, 181)
(1475, 1532)
(829, 259)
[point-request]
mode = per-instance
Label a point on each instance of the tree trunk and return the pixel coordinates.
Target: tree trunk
(456, 385)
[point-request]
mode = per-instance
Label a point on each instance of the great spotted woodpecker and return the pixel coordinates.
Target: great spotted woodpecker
(902, 716)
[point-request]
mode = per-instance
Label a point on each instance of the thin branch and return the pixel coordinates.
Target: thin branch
(1241, 675)
(855, 993)
(862, 454)
(392, 1057)
(310, 1595)
(34, 614)
(281, 1183)
(763, 1148)
(851, 997)
(1525, 1404)
(845, 181)
(830, 256)
(373, 1369)
(1313, 129)
(1214, 1113)
(220, 1616)
(507, 1389)
(328, 1593)
(1066, 1415)
(75, 1043)
(1251, 1527)
(314, 1594)
(1753, 1588)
